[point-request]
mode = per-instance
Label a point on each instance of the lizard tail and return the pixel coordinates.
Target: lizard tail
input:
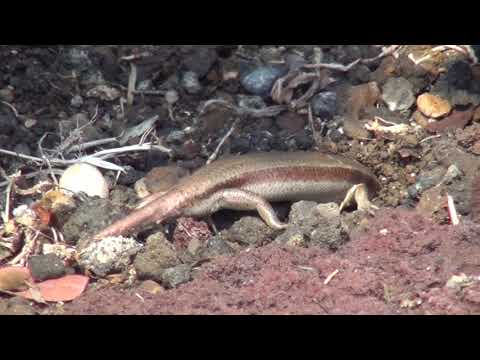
(164, 207)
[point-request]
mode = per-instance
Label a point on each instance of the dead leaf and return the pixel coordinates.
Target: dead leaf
(66, 288)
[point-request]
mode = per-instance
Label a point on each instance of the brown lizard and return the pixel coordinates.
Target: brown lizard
(250, 182)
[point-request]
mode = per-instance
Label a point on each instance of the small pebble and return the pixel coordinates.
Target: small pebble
(104, 92)
(251, 102)
(214, 247)
(290, 121)
(77, 101)
(180, 274)
(22, 148)
(398, 94)
(171, 97)
(176, 136)
(200, 60)
(460, 75)
(260, 81)
(151, 287)
(45, 267)
(110, 255)
(324, 105)
(191, 83)
(144, 85)
(249, 231)
(157, 255)
(7, 94)
(294, 61)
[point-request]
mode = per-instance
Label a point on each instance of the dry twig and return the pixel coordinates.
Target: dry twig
(222, 141)
(132, 80)
(269, 111)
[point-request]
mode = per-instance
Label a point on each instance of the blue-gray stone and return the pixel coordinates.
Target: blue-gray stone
(260, 81)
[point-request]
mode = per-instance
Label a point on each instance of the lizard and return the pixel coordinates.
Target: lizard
(251, 182)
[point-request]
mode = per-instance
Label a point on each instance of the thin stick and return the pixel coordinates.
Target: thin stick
(46, 159)
(15, 112)
(430, 138)
(33, 174)
(330, 277)
(312, 125)
(452, 211)
(149, 92)
(333, 66)
(22, 156)
(222, 141)
(90, 144)
(269, 111)
(345, 68)
(26, 250)
(131, 83)
(6, 214)
(100, 155)
(135, 56)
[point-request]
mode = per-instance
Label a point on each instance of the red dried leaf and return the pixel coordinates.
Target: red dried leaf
(45, 215)
(66, 288)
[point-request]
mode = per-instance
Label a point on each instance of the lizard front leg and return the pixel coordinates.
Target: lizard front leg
(360, 194)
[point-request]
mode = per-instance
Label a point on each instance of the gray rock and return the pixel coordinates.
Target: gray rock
(200, 60)
(460, 75)
(249, 231)
(8, 123)
(89, 217)
(175, 136)
(22, 148)
(398, 94)
(145, 85)
(292, 236)
(260, 81)
(320, 224)
(241, 144)
(250, 102)
(190, 82)
(171, 96)
(44, 267)
(77, 59)
(455, 96)
(7, 94)
(157, 255)
(426, 180)
(77, 101)
(324, 105)
(360, 74)
(174, 276)
(123, 194)
(215, 246)
(294, 61)
(132, 175)
(109, 255)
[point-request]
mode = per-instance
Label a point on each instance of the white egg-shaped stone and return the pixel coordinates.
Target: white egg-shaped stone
(86, 178)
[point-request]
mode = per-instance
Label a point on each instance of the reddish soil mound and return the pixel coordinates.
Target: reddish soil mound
(400, 265)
